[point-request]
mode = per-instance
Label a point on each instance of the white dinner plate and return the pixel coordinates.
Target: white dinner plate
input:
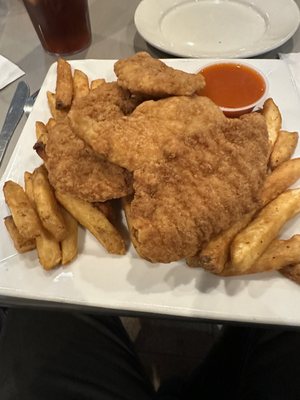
(216, 28)
(127, 282)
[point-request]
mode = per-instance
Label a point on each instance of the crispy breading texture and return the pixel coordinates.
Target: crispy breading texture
(73, 167)
(142, 74)
(195, 172)
(215, 254)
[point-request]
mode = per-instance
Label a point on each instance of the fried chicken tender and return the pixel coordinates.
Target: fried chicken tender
(142, 74)
(214, 178)
(73, 167)
(195, 172)
(107, 101)
(149, 133)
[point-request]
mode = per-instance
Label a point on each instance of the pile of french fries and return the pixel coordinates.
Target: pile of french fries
(251, 245)
(44, 219)
(48, 221)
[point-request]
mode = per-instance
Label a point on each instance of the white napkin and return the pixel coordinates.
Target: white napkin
(9, 72)
(293, 62)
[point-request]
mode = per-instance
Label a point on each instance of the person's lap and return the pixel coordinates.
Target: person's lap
(250, 364)
(60, 355)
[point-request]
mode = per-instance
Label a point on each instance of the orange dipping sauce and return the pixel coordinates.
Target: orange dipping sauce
(233, 86)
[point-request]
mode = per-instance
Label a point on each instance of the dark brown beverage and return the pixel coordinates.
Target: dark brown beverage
(63, 26)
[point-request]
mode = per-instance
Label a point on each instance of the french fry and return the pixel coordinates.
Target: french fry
(51, 103)
(69, 246)
(93, 219)
(29, 187)
(21, 244)
(284, 148)
(97, 83)
(56, 113)
(50, 124)
(273, 120)
(47, 246)
(40, 149)
(64, 85)
(280, 179)
(126, 204)
(279, 254)
(47, 206)
(292, 272)
(81, 84)
(251, 242)
(23, 213)
(107, 209)
(248, 246)
(48, 250)
(41, 132)
(215, 254)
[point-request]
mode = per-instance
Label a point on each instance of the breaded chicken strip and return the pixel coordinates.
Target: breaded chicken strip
(73, 167)
(107, 101)
(195, 171)
(142, 74)
(149, 133)
(214, 178)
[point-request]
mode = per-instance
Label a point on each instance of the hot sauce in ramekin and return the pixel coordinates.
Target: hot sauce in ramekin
(235, 87)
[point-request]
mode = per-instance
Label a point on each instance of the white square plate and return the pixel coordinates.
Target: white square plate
(129, 283)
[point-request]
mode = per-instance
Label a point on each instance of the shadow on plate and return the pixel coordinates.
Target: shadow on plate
(141, 45)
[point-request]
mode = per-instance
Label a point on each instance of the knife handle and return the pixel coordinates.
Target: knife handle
(13, 116)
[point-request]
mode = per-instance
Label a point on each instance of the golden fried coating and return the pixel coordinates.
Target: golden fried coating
(75, 168)
(149, 133)
(181, 203)
(195, 171)
(106, 101)
(142, 74)
(72, 165)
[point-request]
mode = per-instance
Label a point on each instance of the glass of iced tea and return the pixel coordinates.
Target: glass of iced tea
(63, 26)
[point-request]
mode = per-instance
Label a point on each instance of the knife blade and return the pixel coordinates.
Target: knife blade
(13, 116)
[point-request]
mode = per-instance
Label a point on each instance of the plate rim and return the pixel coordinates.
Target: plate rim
(163, 46)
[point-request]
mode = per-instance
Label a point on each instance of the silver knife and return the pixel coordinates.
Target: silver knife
(13, 116)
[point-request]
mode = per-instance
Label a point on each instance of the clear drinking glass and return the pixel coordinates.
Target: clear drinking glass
(63, 26)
